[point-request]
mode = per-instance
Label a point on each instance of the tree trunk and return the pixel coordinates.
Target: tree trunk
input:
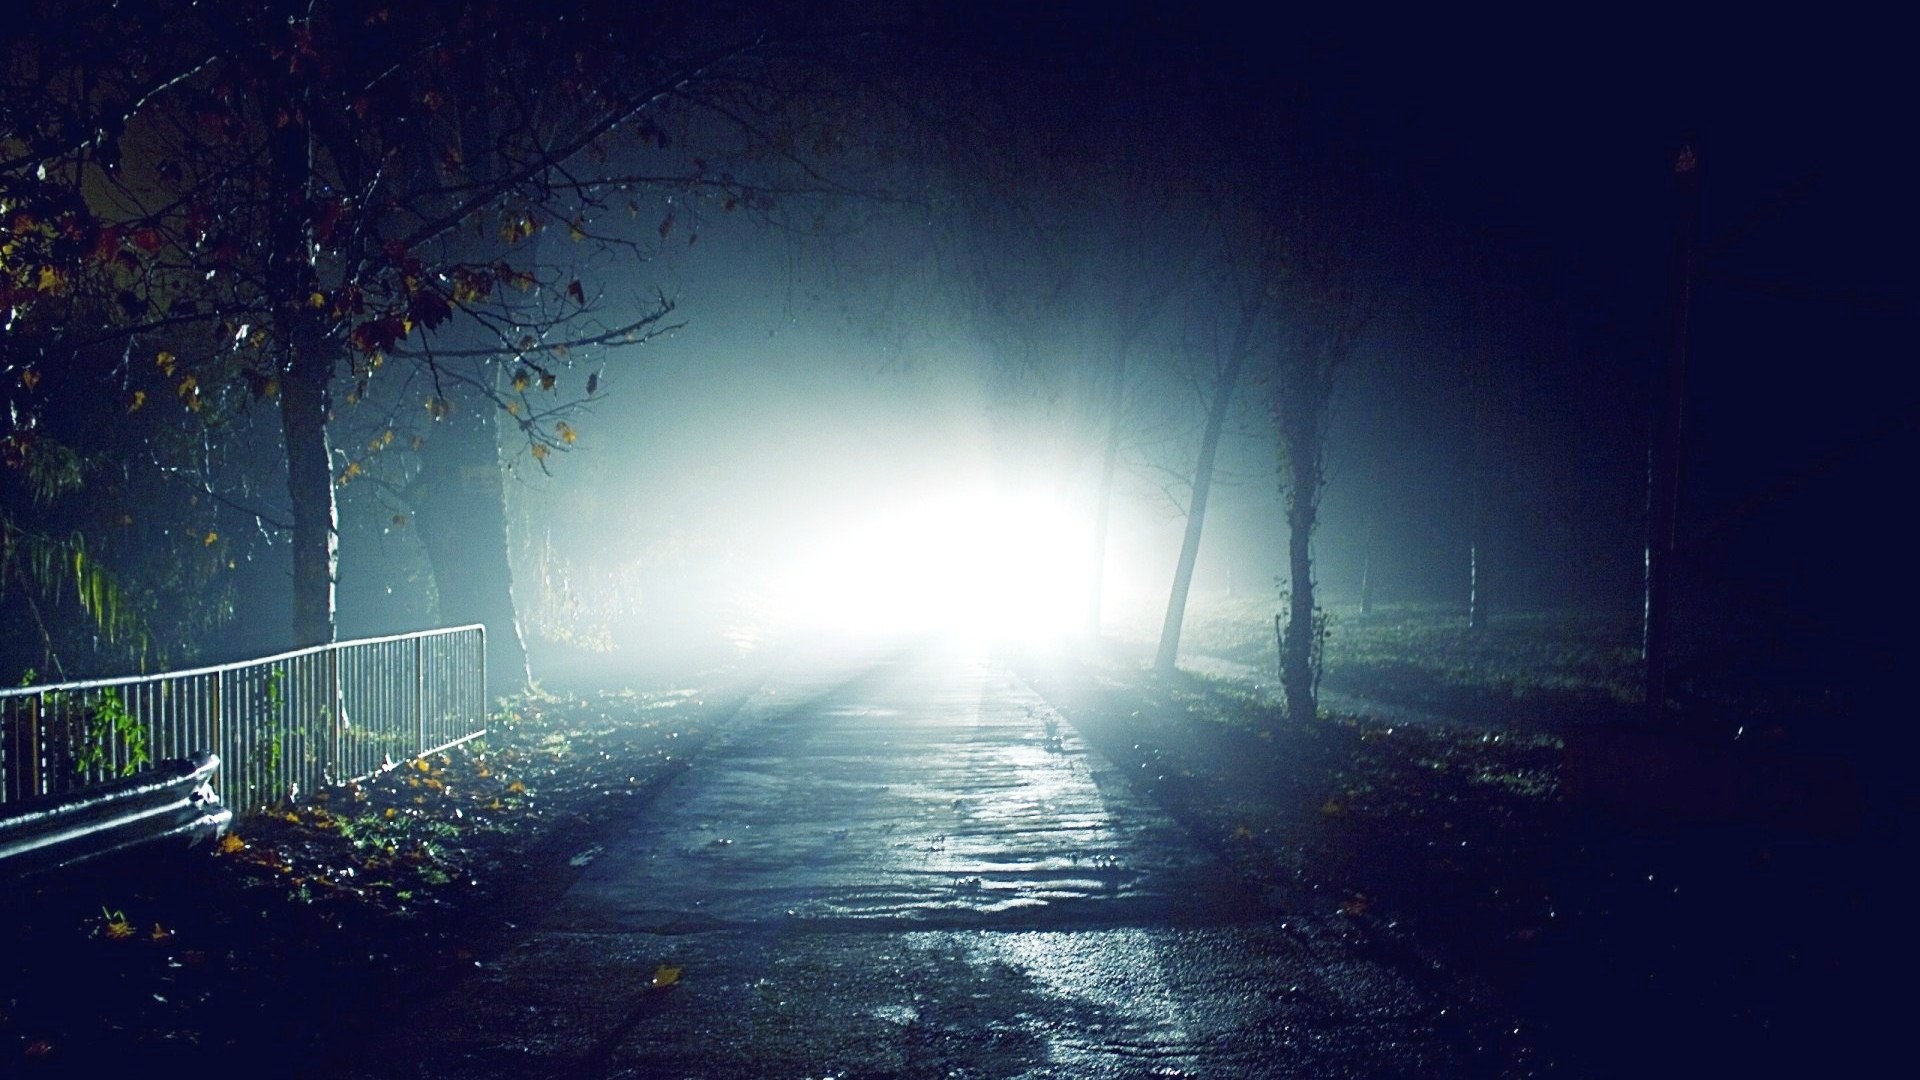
(460, 509)
(305, 366)
(1366, 565)
(1476, 599)
(1477, 531)
(1223, 391)
(1103, 511)
(1664, 456)
(304, 408)
(1477, 390)
(459, 496)
(1303, 507)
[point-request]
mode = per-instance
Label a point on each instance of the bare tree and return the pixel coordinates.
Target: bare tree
(1246, 277)
(1322, 314)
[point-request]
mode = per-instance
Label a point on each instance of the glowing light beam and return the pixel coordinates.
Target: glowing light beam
(976, 561)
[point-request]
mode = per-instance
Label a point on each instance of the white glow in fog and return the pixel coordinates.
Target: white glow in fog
(974, 561)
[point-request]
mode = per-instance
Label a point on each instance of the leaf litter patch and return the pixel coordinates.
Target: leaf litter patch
(1469, 850)
(310, 920)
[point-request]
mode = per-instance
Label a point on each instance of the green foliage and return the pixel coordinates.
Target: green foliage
(275, 730)
(50, 469)
(44, 566)
(110, 723)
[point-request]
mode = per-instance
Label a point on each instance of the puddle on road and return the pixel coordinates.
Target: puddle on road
(1114, 984)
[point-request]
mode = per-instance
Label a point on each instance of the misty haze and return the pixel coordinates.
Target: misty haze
(939, 540)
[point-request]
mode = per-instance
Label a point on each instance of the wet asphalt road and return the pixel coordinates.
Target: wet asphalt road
(906, 863)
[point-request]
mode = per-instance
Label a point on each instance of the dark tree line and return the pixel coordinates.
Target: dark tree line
(375, 221)
(393, 247)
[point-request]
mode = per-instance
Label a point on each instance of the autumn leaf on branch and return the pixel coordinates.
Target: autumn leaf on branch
(428, 308)
(471, 285)
(378, 335)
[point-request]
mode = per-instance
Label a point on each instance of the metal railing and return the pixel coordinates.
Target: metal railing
(282, 725)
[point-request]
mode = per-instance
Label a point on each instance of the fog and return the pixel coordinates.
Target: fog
(851, 335)
(779, 467)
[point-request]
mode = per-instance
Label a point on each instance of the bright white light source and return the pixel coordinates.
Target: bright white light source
(976, 562)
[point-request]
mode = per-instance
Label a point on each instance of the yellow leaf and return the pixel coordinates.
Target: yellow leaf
(211, 538)
(317, 300)
(116, 925)
(665, 975)
(165, 361)
(139, 399)
(160, 933)
(231, 843)
(566, 432)
(540, 452)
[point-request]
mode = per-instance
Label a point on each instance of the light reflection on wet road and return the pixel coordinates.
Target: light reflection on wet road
(907, 864)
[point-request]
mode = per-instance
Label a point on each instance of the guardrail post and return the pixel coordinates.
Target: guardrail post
(338, 709)
(35, 744)
(420, 695)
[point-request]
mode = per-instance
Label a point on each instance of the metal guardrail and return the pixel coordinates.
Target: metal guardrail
(281, 725)
(173, 803)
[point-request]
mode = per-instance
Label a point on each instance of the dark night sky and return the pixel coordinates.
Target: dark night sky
(1520, 167)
